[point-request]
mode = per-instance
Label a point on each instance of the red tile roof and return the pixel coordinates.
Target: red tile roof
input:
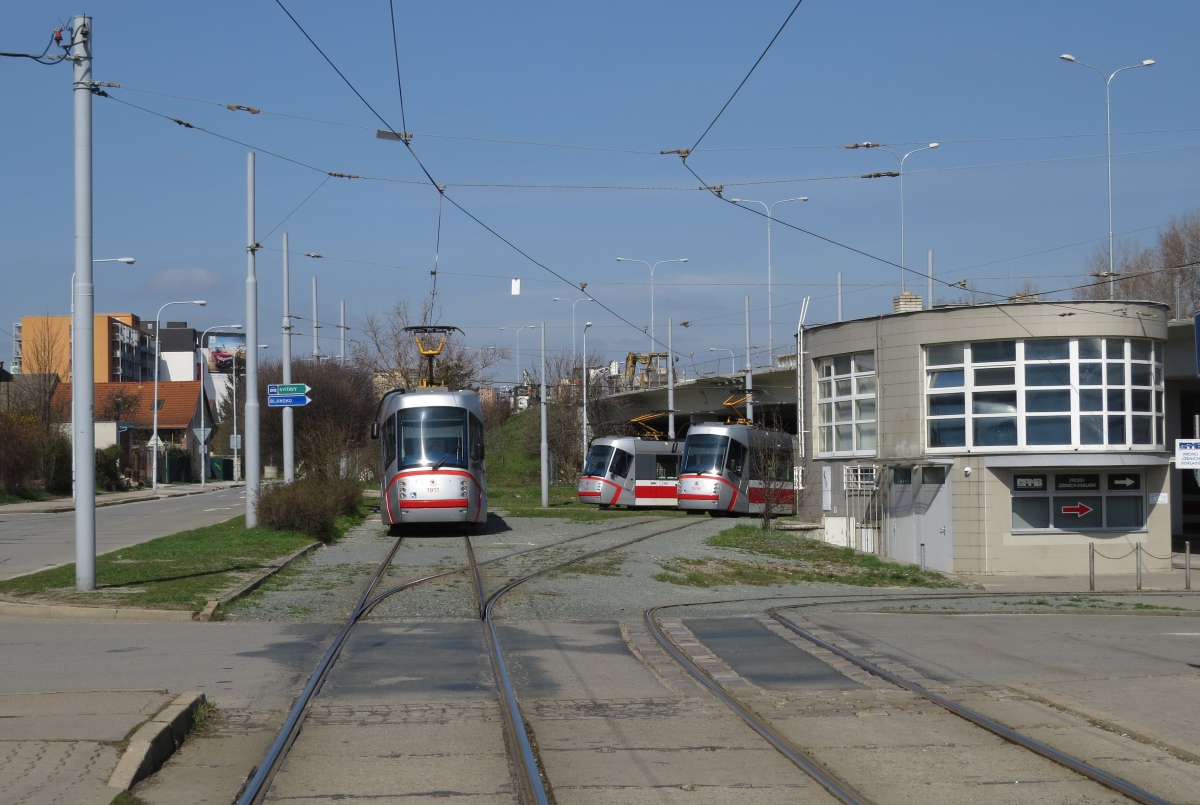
(180, 401)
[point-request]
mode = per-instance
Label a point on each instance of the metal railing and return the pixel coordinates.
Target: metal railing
(1138, 551)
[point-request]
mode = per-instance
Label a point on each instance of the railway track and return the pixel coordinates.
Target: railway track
(839, 788)
(529, 778)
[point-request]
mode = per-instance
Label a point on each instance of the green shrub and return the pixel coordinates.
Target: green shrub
(309, 506)
(108, 470)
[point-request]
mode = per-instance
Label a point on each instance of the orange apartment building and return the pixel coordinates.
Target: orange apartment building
(123, 353)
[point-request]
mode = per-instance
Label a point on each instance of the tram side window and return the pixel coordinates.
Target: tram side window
(666, 467)
(735, 459)
(477, 439)
(643, 465)
(389, 441)
(621, 464)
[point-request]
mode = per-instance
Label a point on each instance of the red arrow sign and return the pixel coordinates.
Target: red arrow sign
(1078, 509)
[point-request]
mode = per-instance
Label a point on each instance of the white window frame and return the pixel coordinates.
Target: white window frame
(1021, 388)
(854, 399)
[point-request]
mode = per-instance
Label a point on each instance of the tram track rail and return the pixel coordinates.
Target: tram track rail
(530, 777)
(838, 788)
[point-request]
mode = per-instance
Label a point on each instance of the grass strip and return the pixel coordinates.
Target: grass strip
(180, 571)
(802, 560)
(526, 501)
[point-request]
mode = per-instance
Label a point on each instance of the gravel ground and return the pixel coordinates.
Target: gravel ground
(324, 587)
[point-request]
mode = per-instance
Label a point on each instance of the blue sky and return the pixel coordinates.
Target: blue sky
(1019, 177)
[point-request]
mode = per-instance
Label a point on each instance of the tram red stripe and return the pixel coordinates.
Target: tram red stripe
(450, 503)
(585, 494)
(646, 491)
(699, 497)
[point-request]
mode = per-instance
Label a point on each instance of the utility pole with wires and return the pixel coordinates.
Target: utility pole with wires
(289, 422)
(253, 456)
(342, 327)
(315, 325)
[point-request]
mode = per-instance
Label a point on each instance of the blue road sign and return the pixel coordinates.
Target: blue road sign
(287, 400)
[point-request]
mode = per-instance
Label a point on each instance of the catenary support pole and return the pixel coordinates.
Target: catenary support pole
(749, 370)
(289, 422)
(83, 388)
(545, 447)
(342, 327)
(315, 324)
(670, 380)
(253, 458)
(839, 292)
(929, 301)
(584, 379)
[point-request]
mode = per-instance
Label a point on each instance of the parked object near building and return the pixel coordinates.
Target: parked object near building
(630, 471)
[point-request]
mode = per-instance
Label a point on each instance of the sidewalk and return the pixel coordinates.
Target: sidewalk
(58, 505)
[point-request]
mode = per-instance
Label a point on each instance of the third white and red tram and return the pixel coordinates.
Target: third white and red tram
(630, 471)
(735, 469)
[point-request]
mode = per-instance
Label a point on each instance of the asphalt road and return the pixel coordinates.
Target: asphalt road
(31, 542)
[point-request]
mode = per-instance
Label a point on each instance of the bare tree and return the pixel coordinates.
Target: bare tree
(44, 360)
(121, 401)
(1166, 272)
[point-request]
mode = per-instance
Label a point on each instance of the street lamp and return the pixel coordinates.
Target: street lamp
(126, 260)
(203, 435)
(520, 377)
(903, 264)
(1108, 108)
(154, 405)
(585, 390)
(769, 208)
(653, 341)
(574, 356)
(732, 359)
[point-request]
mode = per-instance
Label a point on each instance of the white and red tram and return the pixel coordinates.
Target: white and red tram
(630, 471)
(735, 469)
(432, 455)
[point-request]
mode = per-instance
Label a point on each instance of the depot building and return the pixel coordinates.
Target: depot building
(1000, 438)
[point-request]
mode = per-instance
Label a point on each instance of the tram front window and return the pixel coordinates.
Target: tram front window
(433, 437)
(597, 460)
(704, 452)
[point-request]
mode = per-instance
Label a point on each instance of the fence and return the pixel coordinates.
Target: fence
(1137, 550)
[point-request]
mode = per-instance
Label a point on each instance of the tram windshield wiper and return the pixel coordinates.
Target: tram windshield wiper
(441, 461)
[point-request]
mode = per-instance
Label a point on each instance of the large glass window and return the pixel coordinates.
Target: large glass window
(846, 419)
(1047, 392)
(1059, 500)
(435, 436)
(597, 460)
(703, 452)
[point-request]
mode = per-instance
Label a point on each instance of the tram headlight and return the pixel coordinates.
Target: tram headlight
(400, 487)
(462, 487)
(716, 489)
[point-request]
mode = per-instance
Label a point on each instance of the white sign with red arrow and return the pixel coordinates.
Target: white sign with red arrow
(1078, 509)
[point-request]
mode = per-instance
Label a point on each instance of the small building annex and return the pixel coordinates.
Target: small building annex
(1000, 438)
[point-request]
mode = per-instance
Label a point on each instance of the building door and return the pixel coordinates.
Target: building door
(932, 515)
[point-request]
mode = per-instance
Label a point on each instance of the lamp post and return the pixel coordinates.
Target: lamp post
(653, 341)
(770, 210)
(585, 390)
(203, 436)
(1108, 112)
(126, 260)
(574, 356)
(732, 359)
(520, 377)
(900, 159)
(154, 403)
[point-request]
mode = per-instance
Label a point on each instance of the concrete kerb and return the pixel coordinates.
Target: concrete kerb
(114, 499)
(254, 583)
(156, 740)
(23, 610)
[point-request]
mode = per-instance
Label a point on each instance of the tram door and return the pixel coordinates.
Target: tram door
(932, 515)
(621, 470)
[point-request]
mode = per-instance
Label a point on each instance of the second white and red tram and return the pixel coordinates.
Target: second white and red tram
(433, 457)
(732, 469)
(630, 471)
